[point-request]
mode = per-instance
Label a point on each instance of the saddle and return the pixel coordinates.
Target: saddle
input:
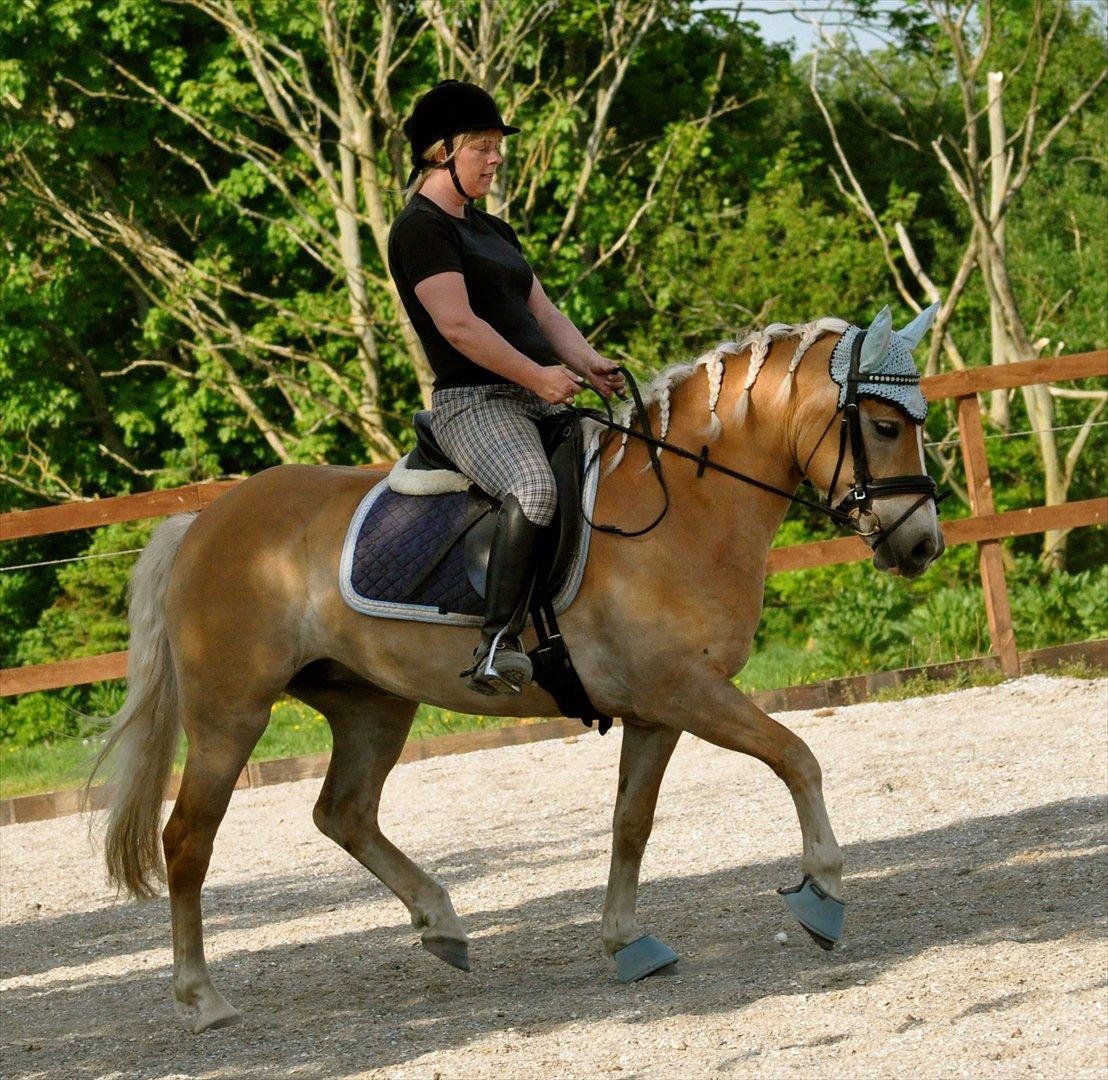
(428, 470)
(562, 439)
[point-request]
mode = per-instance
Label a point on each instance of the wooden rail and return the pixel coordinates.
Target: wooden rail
(19, 524)
(986, 527)
(831, 693)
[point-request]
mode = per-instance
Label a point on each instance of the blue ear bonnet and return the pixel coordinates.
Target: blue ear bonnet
(896, 381)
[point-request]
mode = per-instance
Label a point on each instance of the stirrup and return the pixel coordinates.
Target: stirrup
(505, 674)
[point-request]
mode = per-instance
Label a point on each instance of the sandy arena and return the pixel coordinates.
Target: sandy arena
(973, 826)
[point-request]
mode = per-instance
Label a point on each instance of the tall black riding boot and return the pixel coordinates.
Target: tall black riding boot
(500, 666)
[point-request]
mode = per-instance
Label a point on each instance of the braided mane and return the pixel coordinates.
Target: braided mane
(661, 388)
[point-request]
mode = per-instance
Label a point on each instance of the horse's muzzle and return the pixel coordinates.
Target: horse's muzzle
(910, 558)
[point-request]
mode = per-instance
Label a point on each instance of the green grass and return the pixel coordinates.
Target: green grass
(921, 685)
(52, 766)
(294, 730)
(777, 664)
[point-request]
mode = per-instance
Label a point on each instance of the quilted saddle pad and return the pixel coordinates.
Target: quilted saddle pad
(392, 539)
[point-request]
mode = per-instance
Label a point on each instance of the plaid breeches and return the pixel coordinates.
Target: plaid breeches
(490, 433)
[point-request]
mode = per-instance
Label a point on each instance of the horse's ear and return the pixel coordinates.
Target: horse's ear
(876, 342)
(913, 333)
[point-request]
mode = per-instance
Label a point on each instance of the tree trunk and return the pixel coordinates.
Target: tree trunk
(999, 412)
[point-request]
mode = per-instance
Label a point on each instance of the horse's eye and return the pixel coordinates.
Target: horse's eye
(887, 429)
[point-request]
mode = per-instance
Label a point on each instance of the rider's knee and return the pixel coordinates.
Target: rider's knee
(537, 496)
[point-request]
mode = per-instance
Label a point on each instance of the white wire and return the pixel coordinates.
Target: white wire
(76, 558)
(1032, 431)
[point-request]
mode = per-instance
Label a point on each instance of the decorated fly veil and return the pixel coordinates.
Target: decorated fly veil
(873, 363)
(878, 363)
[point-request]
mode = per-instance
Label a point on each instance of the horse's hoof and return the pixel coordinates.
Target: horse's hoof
(219, 1020)
(451, 950)
(212, 1014)
(818, 912)
(643, 957)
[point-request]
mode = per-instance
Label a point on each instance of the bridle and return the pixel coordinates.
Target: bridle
(854, 511)
(856, 506)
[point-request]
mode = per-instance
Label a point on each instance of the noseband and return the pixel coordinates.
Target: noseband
(854, 511)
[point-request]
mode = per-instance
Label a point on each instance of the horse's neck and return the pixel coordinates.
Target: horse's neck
(742, 511)
(733, 522)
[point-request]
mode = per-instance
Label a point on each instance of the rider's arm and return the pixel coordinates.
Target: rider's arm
(447, 302)
(569, 344)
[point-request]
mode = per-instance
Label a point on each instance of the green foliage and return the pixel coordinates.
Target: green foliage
(850, 620)
(738, 220)
(1051, 609)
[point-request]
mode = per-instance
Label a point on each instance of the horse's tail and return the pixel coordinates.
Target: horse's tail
(144, 734)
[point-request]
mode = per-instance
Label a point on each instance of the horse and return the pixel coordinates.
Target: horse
(233, 607)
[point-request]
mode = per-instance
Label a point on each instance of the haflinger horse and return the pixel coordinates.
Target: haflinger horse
(232, 607)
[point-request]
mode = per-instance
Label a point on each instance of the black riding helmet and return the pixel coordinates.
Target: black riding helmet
(447, 110)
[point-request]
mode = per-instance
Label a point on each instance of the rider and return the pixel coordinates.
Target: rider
(496, 344)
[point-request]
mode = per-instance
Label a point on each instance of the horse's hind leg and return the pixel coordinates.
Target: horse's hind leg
(216, 756)
(369, 730)
(644, 755)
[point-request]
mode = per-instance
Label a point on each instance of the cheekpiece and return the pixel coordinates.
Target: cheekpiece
(897, 381)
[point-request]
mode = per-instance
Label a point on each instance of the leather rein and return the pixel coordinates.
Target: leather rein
(854, 511)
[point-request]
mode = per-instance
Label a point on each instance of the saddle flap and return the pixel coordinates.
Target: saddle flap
(564, 442)
(478, 541)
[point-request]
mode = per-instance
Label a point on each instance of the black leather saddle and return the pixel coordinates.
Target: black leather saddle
(563, 441)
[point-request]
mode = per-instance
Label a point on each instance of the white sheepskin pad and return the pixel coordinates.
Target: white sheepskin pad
(405, 481)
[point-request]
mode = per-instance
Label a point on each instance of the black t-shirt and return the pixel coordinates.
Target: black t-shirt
(425, 240)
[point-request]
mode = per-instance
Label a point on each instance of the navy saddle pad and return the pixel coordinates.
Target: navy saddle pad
(393, 539)
(396, 539)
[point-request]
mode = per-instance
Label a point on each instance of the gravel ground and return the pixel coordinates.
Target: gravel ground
(974, 831)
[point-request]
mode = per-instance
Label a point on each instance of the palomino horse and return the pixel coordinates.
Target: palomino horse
(239, 604)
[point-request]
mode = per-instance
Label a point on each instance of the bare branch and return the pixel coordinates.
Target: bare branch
(622, 43)
(858, 196)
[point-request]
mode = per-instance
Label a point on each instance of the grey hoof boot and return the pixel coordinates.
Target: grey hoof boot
(818, 912)
(643, 957)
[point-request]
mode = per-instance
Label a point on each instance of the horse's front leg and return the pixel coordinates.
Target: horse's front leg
(711, 708)
(644, 755)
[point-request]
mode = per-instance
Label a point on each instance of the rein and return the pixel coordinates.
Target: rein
(854, 511)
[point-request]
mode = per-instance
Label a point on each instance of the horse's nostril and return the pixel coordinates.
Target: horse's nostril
(923, 551)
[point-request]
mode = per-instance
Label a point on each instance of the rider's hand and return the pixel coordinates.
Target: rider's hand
(556, 385)
(604, 376)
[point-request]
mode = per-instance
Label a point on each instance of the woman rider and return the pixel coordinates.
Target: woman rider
(496, 344)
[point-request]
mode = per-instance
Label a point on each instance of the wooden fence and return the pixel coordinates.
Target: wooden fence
(986, 527)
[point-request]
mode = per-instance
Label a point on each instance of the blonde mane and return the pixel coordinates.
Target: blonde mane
(659, 391)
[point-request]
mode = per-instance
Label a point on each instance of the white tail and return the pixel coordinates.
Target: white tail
(144, 733)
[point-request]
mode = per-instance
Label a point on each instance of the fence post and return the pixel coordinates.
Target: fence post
(993, 583)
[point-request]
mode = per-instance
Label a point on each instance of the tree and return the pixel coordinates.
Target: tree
(987, 168)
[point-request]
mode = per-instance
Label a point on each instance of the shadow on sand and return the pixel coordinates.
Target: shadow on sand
(356, 1001)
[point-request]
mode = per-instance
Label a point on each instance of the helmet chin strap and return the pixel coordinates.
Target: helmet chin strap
(448, 142)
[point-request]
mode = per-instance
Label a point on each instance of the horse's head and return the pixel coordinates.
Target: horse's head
(871, 465)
